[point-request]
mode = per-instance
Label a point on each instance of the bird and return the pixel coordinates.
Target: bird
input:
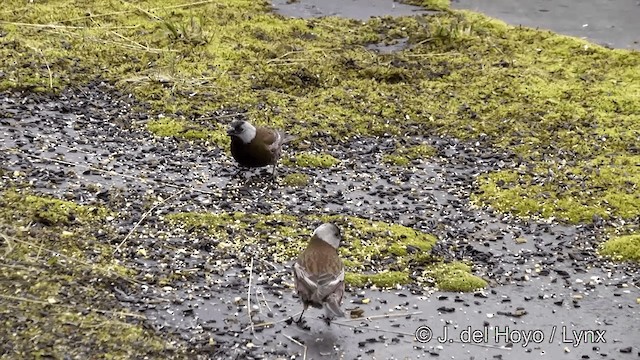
(253, 146)
(319, 273)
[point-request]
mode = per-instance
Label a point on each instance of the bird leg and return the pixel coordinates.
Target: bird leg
(240, 169)
(273, 173)
(302, 313)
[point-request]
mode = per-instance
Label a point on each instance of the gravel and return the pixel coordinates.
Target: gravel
(89, 145)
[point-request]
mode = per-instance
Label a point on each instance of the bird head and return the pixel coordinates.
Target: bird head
(242, 130)
(328, 233)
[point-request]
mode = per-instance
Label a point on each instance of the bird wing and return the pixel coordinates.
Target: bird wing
(304, 278)
(329, 283)
(277, 142)
(321, 285)
(271, 138)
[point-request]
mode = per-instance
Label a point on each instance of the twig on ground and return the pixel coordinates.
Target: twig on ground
(249, 297)
(143, 217)
(52, 26)
(270, 323)
(130, 11)
(89, 266)
(131, 41)
(10, 245)
(111, 172)
(221, 116)
(44, 58)
(150, 15)
(304, 354)
(264, 299)
(383, 316)
(34, 301)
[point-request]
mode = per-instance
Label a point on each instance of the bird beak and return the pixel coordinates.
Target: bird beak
(231, 131)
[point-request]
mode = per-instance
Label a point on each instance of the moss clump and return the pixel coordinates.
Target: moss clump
(57, 294)
(430, 4)
(367, 246)
(602, 187)
(267, 231)
(48, 211)
(307, 160)
(404, 155)
(55, 331)
(561, 104)
(622, 248)
(381, 280)
(395, 160)
(379, 241)
(186, 130)
(455, 276)
(296, 180)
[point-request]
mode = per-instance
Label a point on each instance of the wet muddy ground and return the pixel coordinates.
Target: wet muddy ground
(550, 291)
(611, 23)
(605, 22)
(557, 298)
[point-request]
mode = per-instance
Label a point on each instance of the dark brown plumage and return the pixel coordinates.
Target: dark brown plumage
(253, 146)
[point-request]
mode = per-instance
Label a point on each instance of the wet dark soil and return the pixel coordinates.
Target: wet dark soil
(606, 22)
(353, 9)
(89, 145)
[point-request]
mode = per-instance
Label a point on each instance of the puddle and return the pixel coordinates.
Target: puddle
(606, 22)
(354, 9)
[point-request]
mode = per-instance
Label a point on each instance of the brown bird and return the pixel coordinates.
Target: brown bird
(319, 272)
(256, 146)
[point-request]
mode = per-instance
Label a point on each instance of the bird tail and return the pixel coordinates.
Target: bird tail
(288, 138)
(332, 308)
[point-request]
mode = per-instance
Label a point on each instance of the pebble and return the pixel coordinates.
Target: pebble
(432, 196)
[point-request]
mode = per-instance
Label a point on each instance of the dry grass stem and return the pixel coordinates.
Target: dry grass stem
(147, 213)
(72, 259)
(34, 301)
(304, 354)
(111, 172)
(249, 297)
(52, 26)
(146, 11)
(383, 316)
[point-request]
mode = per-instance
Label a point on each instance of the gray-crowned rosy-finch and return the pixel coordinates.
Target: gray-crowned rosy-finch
(253, 146)
(319, 272)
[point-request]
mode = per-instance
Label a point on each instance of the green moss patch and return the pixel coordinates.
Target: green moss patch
(57, 298)
(430, 4)
(603, 187)
(561, 104)
(622, 248)
(184, 129)
(455, 276)
(384, 279)
(404, 155)
(307, 160)
(374, 252)
(25, 208)
(296, 180)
